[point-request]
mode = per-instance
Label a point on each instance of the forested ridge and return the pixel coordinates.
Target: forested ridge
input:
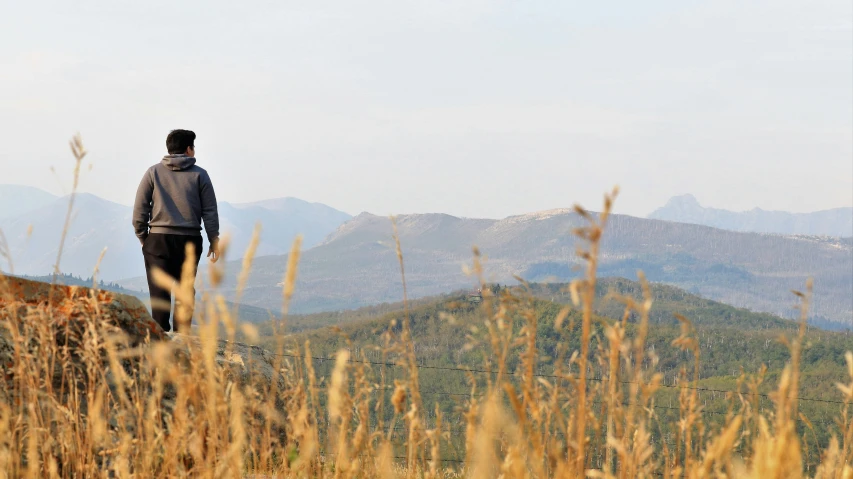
(735, 345)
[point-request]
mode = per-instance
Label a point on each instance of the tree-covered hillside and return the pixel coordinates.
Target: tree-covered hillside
(456, 356)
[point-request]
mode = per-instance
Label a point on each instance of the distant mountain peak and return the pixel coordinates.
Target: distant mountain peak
(686, 209)
(17, 200)
(418, 217)
(538, 215)
(545, 214)
(363, 217)
(684, 200)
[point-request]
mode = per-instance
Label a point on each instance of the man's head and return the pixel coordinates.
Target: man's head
(181, 142)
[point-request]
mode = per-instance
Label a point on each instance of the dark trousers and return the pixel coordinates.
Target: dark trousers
(167, 252)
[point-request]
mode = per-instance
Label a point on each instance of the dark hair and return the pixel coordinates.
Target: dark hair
(179, 140)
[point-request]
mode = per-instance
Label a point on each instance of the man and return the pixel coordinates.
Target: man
(173, 199)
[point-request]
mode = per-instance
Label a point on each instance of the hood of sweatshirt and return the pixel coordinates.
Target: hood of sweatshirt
(178, 162)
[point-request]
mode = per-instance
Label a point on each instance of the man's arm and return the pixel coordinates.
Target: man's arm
(210, 215)
(142, 207)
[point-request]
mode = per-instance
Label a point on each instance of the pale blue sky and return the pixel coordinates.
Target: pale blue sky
(474, 108)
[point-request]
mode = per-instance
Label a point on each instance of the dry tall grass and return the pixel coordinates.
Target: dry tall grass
(165, 410)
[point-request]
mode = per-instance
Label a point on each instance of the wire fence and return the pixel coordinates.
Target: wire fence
(468, 370)
(555, 376)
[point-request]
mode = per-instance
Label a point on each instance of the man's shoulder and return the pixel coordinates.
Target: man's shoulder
(197, 169)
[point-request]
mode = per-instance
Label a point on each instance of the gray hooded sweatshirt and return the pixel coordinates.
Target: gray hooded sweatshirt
(174, 197)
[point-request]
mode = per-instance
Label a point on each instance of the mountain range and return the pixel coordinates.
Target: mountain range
(686, 209)
(352, 262)
(357, 265)
(98, 223)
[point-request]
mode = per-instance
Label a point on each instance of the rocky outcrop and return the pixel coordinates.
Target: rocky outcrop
(70, 319)
(50, 318)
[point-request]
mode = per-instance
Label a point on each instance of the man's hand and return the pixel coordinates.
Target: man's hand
(214, 251)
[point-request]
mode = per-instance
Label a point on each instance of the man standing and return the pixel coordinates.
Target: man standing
(173, 199)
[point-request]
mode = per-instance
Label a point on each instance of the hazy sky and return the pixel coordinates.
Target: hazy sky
(474, 108)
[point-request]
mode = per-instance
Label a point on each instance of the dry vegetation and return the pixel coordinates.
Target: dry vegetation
(150, 411)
